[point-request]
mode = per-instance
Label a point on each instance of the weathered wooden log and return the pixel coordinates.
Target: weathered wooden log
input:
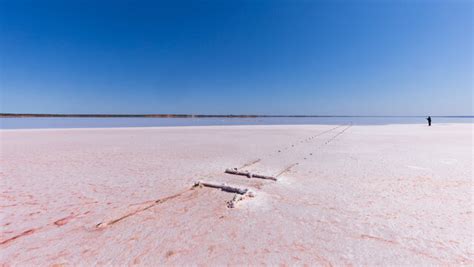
(237, 172)
(264, 177)
(240, 193)
(249, 175)
(223, 187)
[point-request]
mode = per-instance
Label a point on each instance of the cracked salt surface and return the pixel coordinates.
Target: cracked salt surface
(365, 195)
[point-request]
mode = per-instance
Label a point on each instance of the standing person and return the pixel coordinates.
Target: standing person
(429, 120)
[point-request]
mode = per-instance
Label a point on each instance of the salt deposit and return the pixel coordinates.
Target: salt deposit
(363, 195)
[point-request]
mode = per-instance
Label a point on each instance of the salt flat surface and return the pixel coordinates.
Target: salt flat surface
(362, 195)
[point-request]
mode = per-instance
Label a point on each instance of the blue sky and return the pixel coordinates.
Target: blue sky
(237, 57)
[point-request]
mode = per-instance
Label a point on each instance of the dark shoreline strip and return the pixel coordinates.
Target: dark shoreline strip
(31, 115)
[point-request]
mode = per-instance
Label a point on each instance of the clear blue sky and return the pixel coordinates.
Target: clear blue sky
(237, 57)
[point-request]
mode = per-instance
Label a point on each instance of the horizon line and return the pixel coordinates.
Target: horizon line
(164, 115)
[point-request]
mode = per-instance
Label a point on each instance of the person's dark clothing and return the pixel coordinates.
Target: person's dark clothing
(429, 121)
